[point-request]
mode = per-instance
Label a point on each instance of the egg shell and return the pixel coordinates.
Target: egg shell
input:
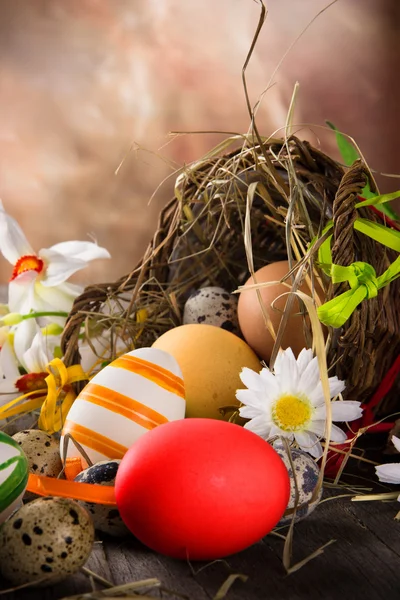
(13, 475)
(201, 489)
(251, 319)
(306, 472)
(49, 537)
(211, 360)
(42, 451)
(105, 518)
(137, 392)
(212, 306)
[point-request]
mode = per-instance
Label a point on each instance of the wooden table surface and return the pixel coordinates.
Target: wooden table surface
(362, 564)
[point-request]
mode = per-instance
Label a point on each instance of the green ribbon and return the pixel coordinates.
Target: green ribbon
(361, 276)
(364, 284)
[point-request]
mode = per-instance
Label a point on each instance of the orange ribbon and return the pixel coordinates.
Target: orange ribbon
(88, 492)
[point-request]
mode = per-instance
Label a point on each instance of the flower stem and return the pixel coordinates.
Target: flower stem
(36, 315)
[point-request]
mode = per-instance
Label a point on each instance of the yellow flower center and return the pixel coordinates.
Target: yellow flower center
(291, 413)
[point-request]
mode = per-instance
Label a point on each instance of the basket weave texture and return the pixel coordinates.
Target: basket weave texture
(280, 194)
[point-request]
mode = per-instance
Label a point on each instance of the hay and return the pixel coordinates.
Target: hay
(295, 190)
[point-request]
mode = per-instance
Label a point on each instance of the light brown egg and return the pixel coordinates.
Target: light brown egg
(251, 319)
(211, 360)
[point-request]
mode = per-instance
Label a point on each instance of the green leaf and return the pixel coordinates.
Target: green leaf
(376, 200)
(380, 233)
(349, 155)
(347, 150)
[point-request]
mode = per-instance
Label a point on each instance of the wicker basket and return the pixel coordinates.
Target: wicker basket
(199, 241)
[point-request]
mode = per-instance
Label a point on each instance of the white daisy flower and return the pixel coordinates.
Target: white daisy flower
(390, 473)
(290, 402)
(38, 281)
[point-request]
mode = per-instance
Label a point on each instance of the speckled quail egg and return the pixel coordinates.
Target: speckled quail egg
(42, 451)
(50, 537)
(105, 518)
(306, 473)
(212, 306)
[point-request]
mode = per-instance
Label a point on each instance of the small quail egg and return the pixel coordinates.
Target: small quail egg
(42, 451)
(105, 518)
(306, 473)
(47, 537)
(212, 306)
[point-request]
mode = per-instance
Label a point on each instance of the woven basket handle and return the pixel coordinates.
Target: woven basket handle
(345, 213)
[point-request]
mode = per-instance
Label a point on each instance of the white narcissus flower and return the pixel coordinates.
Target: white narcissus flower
(33, 351)
(390, 473)
(9, 374)
(38, 281)
(290, 402)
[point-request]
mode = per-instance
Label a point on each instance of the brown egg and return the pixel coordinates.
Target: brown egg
(251, 319)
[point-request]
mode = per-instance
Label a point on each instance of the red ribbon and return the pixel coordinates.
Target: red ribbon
(335, 459)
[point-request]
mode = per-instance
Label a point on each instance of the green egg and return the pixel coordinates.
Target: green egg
(13, 475)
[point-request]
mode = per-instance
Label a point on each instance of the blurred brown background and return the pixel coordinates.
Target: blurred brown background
(81, 81)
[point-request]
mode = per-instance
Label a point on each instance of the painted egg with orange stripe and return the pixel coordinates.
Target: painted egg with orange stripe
(129, 397)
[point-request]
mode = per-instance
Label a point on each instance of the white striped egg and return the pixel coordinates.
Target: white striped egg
(132, 395)
(13, 475)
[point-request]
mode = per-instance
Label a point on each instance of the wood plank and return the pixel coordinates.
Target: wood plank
(357, 566)
(363, 563)
(130, 561)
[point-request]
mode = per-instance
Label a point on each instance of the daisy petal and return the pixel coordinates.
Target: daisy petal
(13, 243)
(319, 413)
(286, 370)
(59, 268)
(317, 426)
(270, 382)
(250, 398)
(389, 473)
(309, 378)
(251, 380)
(303, 359)
(346, 410)
(309, 443)
(337, 435)
(336, 386)
(86, 251)
(396, 442)
(249, 412)
(259, 426)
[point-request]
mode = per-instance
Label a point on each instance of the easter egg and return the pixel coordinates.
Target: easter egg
(304, 475)
(42, 451)
(212, 306)
(13, 475)
(105, 518)
(251, 318)
(132, 395)
(49, 538)
(211, 360)
(201, 489)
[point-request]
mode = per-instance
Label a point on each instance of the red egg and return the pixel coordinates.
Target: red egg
(201, 489)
